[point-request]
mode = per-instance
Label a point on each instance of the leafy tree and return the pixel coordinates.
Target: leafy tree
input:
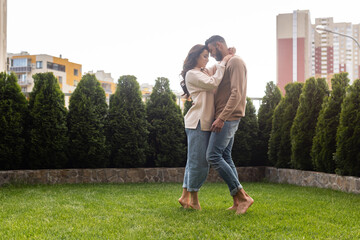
(166, 127)
(13, 112)
(86, 122)
(347, 156)
(291, 107)
(279, 144)
(47, 124)
(269, 102)
(187, 106)
(324, 142)
(303, 128)
(276, 133)
(126, 125)
(244, 152)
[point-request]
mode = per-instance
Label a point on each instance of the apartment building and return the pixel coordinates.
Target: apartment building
(146, 90)
(294, 47)
(304, 52)
(106, 81)
(335, 53)
(25, 66)
(3, 35)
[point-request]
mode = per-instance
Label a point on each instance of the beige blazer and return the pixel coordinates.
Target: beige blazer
(201, 88)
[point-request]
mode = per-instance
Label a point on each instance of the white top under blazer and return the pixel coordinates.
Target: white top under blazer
(201, 88)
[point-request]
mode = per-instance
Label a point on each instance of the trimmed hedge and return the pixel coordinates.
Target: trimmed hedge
(348, 134)
(13, 113)
(324, 142)
(126, 125)
(167, 139)
(47, 131)
(245, 147)
(303, 128)
(86, 123)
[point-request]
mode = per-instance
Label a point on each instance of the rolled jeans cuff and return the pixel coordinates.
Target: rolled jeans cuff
(193, 189)
(235, 190)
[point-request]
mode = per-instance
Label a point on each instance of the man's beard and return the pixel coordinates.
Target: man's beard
(218, 55)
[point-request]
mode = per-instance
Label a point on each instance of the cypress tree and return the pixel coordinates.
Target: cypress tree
(86, 123)
(347, 156)
(276, 133)
(279, 144)
(126, 125)
(187, 106)
(166, 127)
(47, 124)
(13, 112)
(324, 142)
(292, 101)
(245, 147)
(303, 128)
(269, 102)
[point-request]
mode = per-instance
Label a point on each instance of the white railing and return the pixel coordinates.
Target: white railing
(20, 69)
(25, 82)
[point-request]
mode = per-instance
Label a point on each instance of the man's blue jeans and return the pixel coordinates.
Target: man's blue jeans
(197, 168)
(219, 155)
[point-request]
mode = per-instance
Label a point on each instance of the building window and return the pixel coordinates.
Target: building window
(19, 62)
(106, 87)
(76, 72)
(22, 78)
(75, 83)
(55, 66)
(23, 89)
(38, 64)
(60, 79)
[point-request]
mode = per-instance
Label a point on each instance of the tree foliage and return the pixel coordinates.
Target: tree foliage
(86, 123)
(280, 143)
(126, 125)
(347, 156)
(265, 116)
(324, 142)
(187, 105)
(166, 127)
(13, 113)
(245, 147)
(47, 124)
(303, 128)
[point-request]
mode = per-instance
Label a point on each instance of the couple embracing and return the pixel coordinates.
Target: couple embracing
(219, 100)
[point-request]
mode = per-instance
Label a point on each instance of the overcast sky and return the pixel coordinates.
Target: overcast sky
(151, 38)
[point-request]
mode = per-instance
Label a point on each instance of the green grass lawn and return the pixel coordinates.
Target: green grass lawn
(151, 211)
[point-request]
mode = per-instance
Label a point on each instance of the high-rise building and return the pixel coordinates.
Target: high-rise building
(293, 34)
(25, 66)
(3, 35)
(303, 52)
(335, 53)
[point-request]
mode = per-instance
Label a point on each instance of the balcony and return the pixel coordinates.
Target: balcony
(25, 82)
(20, 69)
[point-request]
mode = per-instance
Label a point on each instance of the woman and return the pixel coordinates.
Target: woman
(200, 84)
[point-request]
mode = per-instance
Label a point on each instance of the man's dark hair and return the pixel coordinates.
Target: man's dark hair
(213, 39)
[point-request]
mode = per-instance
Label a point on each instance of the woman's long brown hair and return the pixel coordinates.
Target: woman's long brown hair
(190, 63)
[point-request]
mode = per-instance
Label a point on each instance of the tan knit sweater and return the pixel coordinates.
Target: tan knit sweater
(230, 97)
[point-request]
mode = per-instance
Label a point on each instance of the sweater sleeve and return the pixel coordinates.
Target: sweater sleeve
(202, 81)
(212, 70)
(237, 71)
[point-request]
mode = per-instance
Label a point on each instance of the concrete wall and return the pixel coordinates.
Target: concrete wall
(313, 179)
(115, 175)
(134, 175)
